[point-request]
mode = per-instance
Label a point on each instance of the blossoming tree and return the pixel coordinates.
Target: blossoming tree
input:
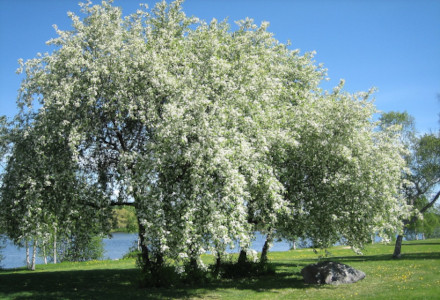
(210, 133)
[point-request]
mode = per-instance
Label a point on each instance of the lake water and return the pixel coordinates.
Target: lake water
(115, 248)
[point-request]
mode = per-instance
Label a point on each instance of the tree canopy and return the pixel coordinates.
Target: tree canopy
(210, 132)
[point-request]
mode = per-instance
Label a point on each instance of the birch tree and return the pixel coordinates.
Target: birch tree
(21, 200)
(40, 189)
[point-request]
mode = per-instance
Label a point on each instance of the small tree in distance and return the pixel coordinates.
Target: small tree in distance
(124, 219)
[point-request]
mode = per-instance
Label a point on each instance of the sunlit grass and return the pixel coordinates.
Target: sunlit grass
(415, 276)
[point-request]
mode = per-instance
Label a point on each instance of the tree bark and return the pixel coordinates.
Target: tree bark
(44, 253)
(431, 203)
(55, 246)
(263, 258)
(242, 258)
(193, 264)
(28, 260)
(218, 263)
(144, 256)
(159, 260)
(398, 246)
(34, 254)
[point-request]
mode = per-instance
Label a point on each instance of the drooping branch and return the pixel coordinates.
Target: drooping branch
(431, 203)
(423, 210)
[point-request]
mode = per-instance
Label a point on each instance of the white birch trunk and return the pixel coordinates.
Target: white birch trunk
(44, 254)
(34, 254)
(55, 246)
(28, 261)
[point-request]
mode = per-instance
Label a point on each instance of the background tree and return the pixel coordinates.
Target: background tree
(423, 160)
(426, 227)
(406, 123)
(424, 179)
(124, 220)
(433, 221)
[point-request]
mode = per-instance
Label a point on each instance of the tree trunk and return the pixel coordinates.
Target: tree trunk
(153, 265)
(398, 247)
(144, 256)
(263, 258)
(44, 253)
(294, 245)
(34, 254)
(28, 260)
(242, 258)
(159, 260)
(55, 246)
(218, 263)
(193, 264)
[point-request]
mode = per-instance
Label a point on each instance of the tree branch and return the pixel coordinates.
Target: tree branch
(423, 210)
(122, 204)
(430, 204)
(94, 205)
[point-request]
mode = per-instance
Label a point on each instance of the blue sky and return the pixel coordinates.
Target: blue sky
(392, 45)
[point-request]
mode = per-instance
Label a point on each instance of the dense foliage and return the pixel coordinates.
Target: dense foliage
(210, 132)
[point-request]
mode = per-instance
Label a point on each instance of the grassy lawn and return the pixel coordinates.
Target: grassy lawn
(415, 276)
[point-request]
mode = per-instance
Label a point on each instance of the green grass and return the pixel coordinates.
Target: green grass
(415, 276)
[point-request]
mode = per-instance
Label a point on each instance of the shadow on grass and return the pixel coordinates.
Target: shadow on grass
(67, 284)
(387, 257)
(419, 244)
(123, 284)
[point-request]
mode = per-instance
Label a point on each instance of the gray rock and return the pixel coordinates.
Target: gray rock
(328, 272)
